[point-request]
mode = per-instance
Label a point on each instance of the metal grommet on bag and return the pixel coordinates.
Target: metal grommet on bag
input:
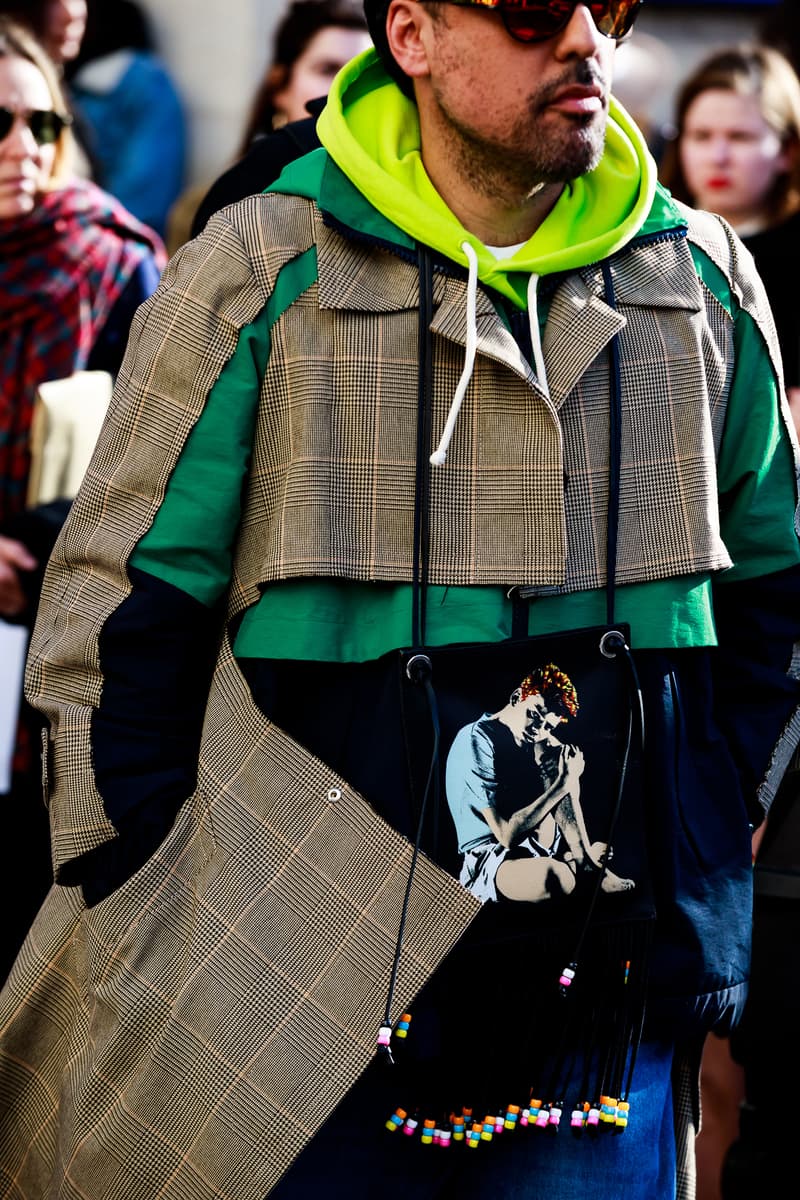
(419, 668)
(611, 643)
(333, 795)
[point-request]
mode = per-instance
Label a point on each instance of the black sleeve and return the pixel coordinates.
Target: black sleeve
(261, 166)
(157, 652)
(112, 341)
(758, 625)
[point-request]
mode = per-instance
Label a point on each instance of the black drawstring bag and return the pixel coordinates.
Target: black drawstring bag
(524, 763)
(544, 997)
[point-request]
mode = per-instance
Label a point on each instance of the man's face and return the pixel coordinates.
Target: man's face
(538, 111)
(531, 719)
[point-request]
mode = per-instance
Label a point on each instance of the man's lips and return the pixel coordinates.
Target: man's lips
(578, 99)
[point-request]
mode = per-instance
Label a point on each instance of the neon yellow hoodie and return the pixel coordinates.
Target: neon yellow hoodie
(371, 131)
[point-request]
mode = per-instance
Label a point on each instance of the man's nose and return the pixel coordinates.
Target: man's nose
(580, 36)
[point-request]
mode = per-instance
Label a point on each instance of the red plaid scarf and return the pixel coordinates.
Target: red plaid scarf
(62, 268)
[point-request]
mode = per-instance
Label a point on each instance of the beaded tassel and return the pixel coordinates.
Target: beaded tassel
(566, 977)
(396, 1119)
(401, 1029)
(511, 1117)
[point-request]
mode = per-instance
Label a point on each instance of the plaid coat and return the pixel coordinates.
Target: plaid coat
(272, 905)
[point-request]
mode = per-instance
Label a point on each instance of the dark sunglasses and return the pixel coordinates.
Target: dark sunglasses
(538, 20)
(44, 124)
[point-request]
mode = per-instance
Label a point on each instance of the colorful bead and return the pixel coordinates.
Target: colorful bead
(543, 1116)
(428, 1127)
(474, 1135)
(593, 1116)
(511, 1117)
(458, 1128)
(444, 1137)
(410, 1126)
(384, 1035)
(555, 1116)
(567, 976)
(577, 1118)
(623, 1112)
(487, 1129)
(524, 1116)
(627, 970)
(608, 1109)
(402, 1026)
(396, 1119)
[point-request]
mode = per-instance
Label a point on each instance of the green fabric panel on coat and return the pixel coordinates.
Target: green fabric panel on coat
(342, 621)
(191, 541)
(756, 467)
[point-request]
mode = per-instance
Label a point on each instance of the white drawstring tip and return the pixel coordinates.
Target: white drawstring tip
(440, 453)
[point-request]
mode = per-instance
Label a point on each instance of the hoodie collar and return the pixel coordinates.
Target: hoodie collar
(371, 130)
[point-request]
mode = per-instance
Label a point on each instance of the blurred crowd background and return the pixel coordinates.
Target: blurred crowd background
(217, 53)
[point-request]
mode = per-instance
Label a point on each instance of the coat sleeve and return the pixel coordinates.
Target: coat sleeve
(757, 602)
(93, 600)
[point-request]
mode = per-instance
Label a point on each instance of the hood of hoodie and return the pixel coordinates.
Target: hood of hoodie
(371, 131)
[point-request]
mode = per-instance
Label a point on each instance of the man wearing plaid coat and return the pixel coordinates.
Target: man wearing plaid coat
(196, 1004)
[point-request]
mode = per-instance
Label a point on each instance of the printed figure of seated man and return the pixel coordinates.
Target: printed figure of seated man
(514, 788)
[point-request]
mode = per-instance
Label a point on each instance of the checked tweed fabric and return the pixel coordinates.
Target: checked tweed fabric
(185, 1037)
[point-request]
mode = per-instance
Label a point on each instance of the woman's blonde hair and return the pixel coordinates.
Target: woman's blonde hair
(17, 42)
(749, 70)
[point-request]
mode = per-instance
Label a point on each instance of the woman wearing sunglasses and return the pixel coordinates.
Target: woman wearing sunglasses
(74, 266)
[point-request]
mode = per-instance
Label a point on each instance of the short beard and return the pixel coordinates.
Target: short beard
(531, 156)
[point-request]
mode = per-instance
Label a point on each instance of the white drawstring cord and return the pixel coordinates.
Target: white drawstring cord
(536, 337)
(440, 453)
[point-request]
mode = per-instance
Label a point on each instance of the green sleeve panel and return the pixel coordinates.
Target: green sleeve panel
(756, 469)
(757, 473)
(190, 543)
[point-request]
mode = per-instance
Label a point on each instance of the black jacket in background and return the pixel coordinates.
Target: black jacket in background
(261, 165)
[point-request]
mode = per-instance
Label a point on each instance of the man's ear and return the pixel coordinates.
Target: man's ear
(404, 21)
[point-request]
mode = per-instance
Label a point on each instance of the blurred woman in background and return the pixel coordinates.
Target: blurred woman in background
(74, 267)
(736, 152)
(313, 41)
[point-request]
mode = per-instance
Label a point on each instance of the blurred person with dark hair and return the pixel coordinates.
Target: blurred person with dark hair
(59, 25)
(736, 152)
(313, 40)
(74, 267)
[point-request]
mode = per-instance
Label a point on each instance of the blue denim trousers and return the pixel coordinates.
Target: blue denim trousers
(353, 1157)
